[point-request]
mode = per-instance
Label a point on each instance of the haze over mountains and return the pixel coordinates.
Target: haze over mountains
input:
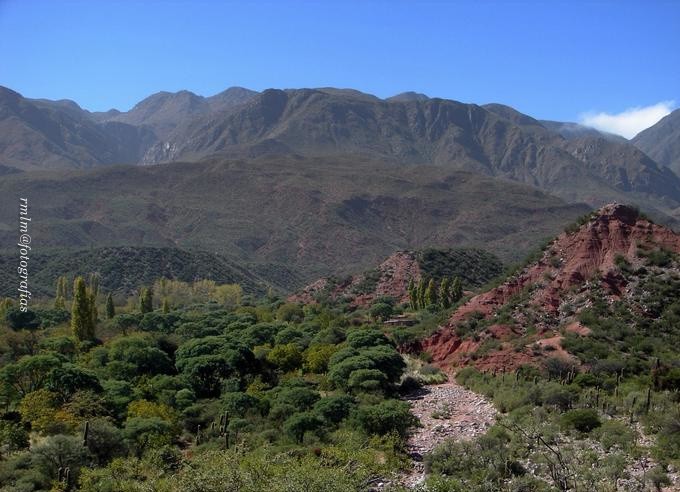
(320, 179)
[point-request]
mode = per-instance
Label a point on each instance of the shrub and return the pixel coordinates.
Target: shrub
(385, 417)
(583, 420)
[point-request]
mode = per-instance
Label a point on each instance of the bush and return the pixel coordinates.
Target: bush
(615, 433)
(334, 408)
(386, 417)
(583, 420)
(297, 425)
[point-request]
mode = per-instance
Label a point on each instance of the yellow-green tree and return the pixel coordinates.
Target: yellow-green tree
(431, 293)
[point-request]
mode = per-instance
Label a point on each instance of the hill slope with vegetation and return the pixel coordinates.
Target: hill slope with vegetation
(316, 216)
(122, 270)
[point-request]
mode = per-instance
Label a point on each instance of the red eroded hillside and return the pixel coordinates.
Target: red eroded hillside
(548, 293)
(389, 279)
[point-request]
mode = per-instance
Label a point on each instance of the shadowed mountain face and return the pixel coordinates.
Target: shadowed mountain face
(317, 216)
(38, 134)
(662, 141)
(405, 130)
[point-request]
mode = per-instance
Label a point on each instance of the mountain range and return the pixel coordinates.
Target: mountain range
(317, 179)
(570, 161)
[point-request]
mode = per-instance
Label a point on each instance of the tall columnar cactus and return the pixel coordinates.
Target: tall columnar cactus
(86, 432)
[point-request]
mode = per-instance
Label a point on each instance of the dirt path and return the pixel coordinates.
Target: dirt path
(445, 411)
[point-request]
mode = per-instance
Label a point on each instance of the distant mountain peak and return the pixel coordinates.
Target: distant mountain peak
(661, 141)
(407, 97)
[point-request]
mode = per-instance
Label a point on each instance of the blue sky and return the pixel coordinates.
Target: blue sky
(554, 60)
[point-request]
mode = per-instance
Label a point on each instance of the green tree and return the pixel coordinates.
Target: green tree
(412, 294)
(445, 296)
(110, 308)
(381, 310)
(385, 417)
(143, 433)
(22, 320)
(59, 303)
(286, 357)
(334, 408)
(13, 436)
(298, 424)
(61, 293)
(145, 300)
(165, 307)
(317, 356)
(81, 312)
(92, 293)
(367, 380)
(30, 373)
(431, 293)
(422, 287)
(456, 290)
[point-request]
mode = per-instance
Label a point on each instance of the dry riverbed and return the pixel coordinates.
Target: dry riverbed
(446, 411)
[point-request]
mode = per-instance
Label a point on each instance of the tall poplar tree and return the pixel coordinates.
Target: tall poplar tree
(412, 295)
(145, 300)
(110, 308)
(431, 293)
(445, 293)
(81, 311)
(456, 289)
(421, 293)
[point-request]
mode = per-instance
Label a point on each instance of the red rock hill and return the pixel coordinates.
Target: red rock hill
(575, 261)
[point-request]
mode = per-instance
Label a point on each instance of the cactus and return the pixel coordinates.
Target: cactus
(632, 409)
(86, 432)
(648, 403)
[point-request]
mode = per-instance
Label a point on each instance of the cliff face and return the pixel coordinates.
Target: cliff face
(572, 266)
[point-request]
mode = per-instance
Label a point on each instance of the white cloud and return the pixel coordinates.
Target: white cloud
(630, 122)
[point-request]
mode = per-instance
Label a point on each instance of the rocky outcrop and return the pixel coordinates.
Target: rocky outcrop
(585, 257)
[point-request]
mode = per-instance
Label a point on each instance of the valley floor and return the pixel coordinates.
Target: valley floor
(445, 411)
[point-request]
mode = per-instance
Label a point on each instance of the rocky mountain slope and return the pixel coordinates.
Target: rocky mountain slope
(38, 134)
(662, 141)
(164, 111)
(613, 255)
(494, 140)
(405, 130)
